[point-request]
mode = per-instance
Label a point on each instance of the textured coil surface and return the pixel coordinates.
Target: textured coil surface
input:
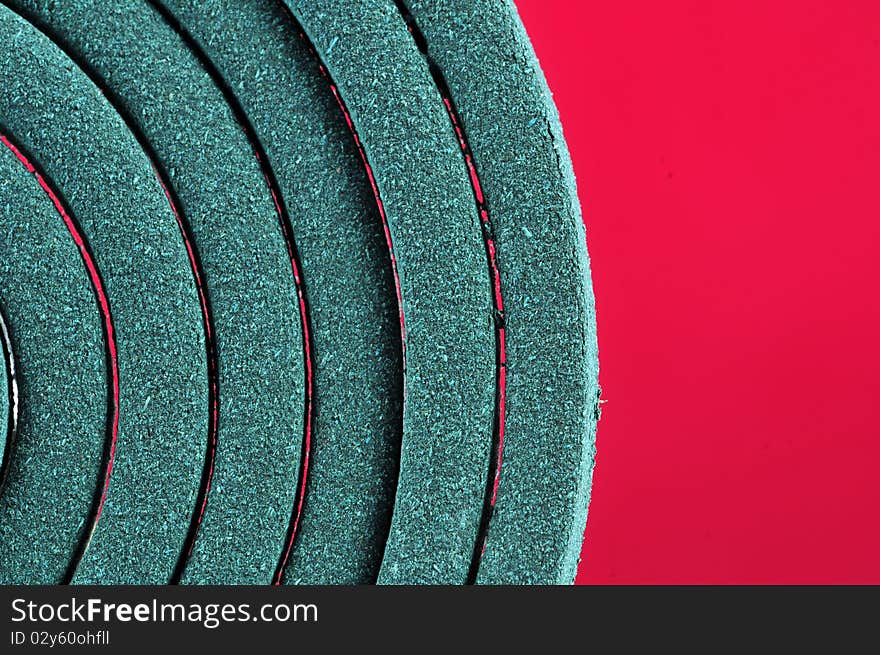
(293, 292)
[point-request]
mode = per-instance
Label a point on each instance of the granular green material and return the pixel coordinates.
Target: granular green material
(236, 230)
(354, 314)
(189, 143)
(511, 124)
(64, 122)
(446, 291)
(54, 326)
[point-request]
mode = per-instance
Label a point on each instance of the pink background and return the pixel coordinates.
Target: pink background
(728, 157)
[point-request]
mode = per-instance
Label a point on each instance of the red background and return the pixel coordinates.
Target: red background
(728, 156)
